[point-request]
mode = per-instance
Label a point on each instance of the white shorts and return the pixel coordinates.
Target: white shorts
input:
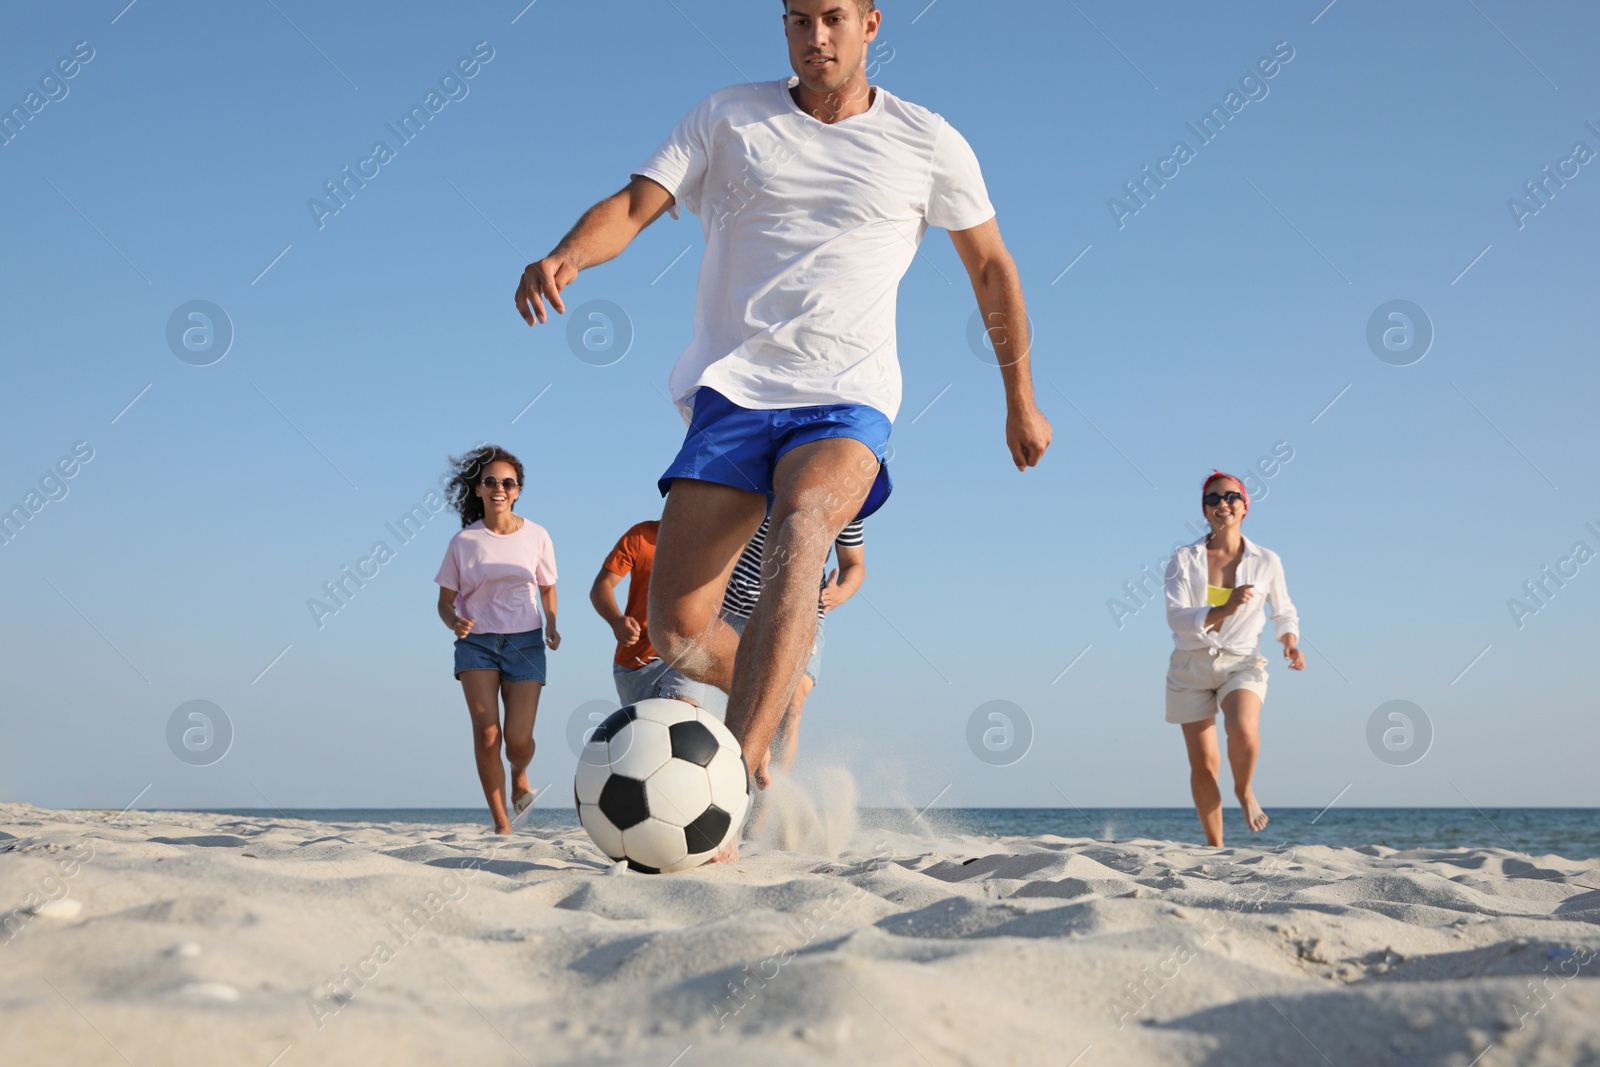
(1198, 679)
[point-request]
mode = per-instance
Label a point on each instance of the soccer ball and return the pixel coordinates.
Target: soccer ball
(661, 784)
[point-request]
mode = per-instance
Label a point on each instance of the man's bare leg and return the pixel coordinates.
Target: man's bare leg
(818, 488)
(704, 527)
(785, 746)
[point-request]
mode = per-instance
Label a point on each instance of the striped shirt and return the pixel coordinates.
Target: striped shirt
(744, 588)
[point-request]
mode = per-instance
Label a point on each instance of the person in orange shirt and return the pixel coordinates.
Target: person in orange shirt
(636, 667)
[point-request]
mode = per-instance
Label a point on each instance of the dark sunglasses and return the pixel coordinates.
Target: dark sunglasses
(490, 482)
(1211, 500)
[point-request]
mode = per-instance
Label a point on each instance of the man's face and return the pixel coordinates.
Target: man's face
(828, 41)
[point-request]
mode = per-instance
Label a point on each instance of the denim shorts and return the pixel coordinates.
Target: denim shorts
(740, 447)
(518, 657)
(814, 664)
(637, 683)
(813, 669)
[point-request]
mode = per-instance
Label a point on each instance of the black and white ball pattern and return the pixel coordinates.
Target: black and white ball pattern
(661, 784)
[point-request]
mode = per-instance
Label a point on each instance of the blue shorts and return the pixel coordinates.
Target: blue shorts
(518, 657)
(740, 447)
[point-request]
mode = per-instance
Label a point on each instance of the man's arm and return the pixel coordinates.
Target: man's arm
(998, 287)
(603, 232)
(846, 578)
(602, 594)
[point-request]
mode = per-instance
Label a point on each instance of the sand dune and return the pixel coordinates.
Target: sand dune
(180, 938)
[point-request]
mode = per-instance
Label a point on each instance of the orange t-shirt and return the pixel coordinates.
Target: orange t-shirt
(633, 557)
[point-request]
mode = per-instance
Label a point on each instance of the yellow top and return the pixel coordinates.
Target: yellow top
(1216, 595)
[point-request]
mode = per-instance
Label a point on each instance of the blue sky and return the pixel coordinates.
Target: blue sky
(1226, 318)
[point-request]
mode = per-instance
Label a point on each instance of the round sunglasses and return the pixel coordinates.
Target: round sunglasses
(491, 482)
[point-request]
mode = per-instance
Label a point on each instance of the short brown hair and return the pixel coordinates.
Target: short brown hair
(867, 7)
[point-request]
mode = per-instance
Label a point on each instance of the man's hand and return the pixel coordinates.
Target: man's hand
(1027, 434)
(543, 281)
(626, 630)
(998, 288)
(832, 595)
(601, 235)
(463, 627)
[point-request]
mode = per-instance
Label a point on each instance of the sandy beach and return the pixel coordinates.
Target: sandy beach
(184, 938)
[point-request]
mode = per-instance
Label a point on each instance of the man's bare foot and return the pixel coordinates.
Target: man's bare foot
(761, 772)
(521, 795)
(502, 828)
(727, 855)
(1254, 817)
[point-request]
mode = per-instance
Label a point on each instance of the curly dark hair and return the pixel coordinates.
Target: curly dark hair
(468, 468)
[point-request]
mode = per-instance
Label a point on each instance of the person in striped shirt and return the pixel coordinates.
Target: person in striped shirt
(739, 602)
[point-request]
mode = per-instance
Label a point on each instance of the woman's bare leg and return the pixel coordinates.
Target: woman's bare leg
(1241, 712)
(1205, 762)
(522, 708)
(482, 689)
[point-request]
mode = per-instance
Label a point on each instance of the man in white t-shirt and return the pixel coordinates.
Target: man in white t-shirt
(813, 194)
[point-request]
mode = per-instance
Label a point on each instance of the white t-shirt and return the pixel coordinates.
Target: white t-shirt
(809, 228)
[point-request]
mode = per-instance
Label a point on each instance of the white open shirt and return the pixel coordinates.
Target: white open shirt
(1240, 632)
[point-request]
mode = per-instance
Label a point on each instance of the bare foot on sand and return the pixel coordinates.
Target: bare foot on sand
(1254, 817)
(759, 779)
(757, 819)
(756, 814)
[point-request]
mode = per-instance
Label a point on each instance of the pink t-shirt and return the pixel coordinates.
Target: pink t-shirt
(496, 576)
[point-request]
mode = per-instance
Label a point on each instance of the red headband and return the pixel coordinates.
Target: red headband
(1215, 474)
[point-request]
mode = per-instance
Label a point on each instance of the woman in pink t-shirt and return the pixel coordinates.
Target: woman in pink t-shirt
(496, 574)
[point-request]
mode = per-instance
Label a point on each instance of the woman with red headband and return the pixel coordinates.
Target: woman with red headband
(1216, 591)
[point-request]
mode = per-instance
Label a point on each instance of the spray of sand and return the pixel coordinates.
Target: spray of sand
(816, 817)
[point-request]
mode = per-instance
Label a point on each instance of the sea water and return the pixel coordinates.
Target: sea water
(1570, 832)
